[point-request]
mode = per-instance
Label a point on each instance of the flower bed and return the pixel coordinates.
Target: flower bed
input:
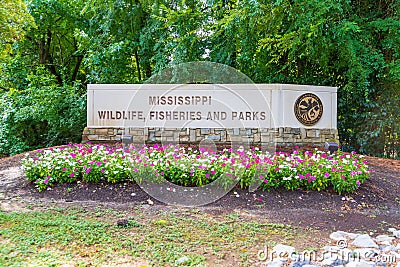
(309, 170)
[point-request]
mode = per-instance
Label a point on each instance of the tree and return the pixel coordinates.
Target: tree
(354, 45)
(14, 21)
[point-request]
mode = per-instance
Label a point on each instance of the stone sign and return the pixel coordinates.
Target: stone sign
(257, 113)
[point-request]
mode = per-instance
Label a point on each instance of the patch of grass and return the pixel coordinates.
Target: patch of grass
(81, 237)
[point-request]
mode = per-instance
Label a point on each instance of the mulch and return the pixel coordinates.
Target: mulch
(375, 205)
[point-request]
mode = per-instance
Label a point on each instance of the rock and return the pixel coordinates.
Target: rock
(329, 258)
(346, 253)
(365, 253)
(123, 222)
(182, 260)
(333, 261)
(397, 255)
(364, 241)
(383, 238)
(275, 263)
(283, 251)
(389, 248)
(361, 264)
(300, 263)
(396, 233)
(150, 202)
(341, 235)
(339, 262)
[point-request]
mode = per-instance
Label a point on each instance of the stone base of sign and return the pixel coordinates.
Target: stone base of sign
(256, 137)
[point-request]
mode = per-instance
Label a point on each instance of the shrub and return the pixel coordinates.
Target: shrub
(310, 170)
(42, 114)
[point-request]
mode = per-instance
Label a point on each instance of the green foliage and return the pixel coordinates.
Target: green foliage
(80, 236)
(14, 21)
(352, 45)
(44, 114)
(94, 163)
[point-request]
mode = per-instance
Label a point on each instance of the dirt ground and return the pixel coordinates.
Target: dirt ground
(374, 207)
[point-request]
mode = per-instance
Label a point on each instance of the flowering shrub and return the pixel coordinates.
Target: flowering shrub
(310, 170)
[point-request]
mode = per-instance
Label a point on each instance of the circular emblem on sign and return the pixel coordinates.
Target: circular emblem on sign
(308, 109)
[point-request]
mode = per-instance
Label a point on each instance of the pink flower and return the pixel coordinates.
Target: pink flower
(327, 174)
(358, 183)
(73, 155)
(71, 175)
(45, 181)
(102, 170)
(64, 169)
(207, 175)
(301, 177)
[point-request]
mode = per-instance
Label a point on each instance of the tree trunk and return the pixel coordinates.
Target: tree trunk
(76, 69)
(138, 65)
